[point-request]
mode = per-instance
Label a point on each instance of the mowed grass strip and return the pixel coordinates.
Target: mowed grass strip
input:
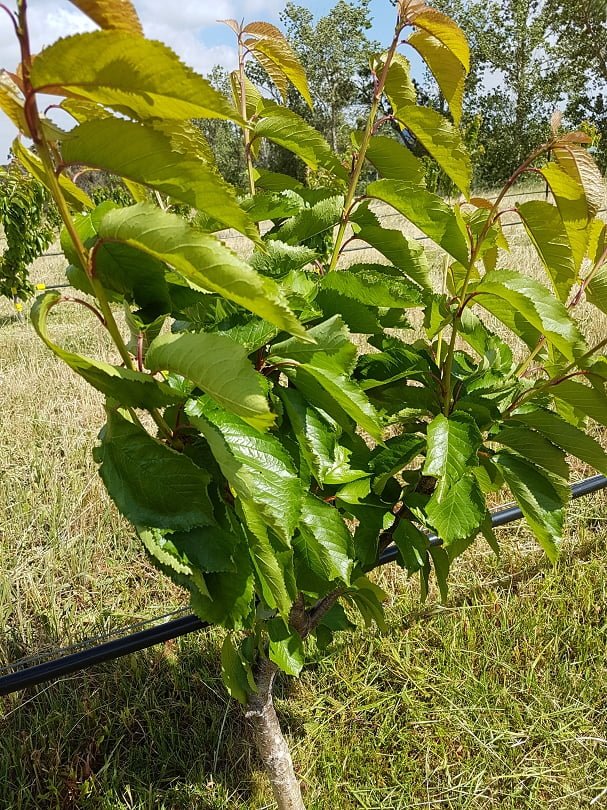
(496, 700)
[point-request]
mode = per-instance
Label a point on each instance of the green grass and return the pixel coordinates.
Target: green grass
(494, 701)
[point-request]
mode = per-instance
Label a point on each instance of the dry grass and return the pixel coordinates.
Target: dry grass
(495, 701)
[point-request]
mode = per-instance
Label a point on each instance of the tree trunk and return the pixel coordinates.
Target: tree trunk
(271, 744)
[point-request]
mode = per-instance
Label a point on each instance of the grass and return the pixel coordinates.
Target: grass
(494, 701)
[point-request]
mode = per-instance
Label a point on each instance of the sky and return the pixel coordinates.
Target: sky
(188, 26)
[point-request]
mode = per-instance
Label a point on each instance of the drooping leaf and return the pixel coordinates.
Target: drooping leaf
(590, 401)
(542, 499)
(131, 388)
(404, 252)
(324, 541)
(287, 129)
(572, 206)
(234, 672)
(532, 302)
(256, 465)
(151, 484)
(534, 446)
(446, 68)
(573, 440)
(153, 156)
(76, 199)
(576, 161)
(546, 230)
(596, 291)
(135, 76)
(427, 211)
(202, 261)
(117, 14)
(394, 161)
(217, 365)
(442, 27)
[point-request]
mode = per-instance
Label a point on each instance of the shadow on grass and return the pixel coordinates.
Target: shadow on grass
(155, 729)
(8, 320)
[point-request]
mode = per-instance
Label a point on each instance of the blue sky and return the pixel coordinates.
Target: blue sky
(188, 26)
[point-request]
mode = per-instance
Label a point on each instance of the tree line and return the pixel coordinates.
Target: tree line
(529, 58)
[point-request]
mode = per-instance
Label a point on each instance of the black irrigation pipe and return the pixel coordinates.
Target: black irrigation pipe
(59, 667)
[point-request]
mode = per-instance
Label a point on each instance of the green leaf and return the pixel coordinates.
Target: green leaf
(576, 161)
(532, 302)
(571, 203)
(427, 211)
(278, 259)
(324, 542)
(309, 222)
(234, 672)
(393, 160)
(389, 460)
(542, 499)
(440, 559)
(368, 598)
(230, 600)
(596, 291)
(278, 51)
(117, 14)
(327, 460)
(329, 374)
(131, 388)
(151, 484)
(286, 648)
(153, 155)
(74, 196)
(446, 68)
(208, 548)
(399, 87)
(537, 448)
(570, 438)
(256, 465)
(289, 130)
(395, 361)
(377, 285)
(201, 260)
(138, 77)
(442, 27)
(331, 337)
(442, 141)
(590, 401)
(361, 319)
(546, 230)
(220, 367)
(453, 444)
(402, 251)
(271, 562)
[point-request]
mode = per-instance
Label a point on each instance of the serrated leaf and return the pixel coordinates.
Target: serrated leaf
(278, 51)
(200, 259)
(541, 498)
(286, 648)
(546, 230)
(209, 549)
(446, 31)
(394, 161)
(234, 672)
(289, 130)
(256, 465)
(278, 259)
(453, 443)
(399, 87)
(331, 337)
(309, 222)
(324, 541)
(446, 68)
(404, 253)
(154, 156)
(457, 511)
(76, 199)
(578, 164)
(596, 291)
(141, 78)
(532, 302)
(117, 14)
(230, 600)
(571, 202)
(376, 285)
(442, 141)
(347, 395)
(537, 448)
(217, 365)
(429, 212)
(131, 388)
(151, 484)
(368, 598)
(389, 460)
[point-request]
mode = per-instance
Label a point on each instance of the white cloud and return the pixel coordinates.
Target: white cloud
(188, 26)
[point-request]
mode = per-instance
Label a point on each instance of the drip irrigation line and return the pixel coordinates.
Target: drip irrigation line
(83, 659)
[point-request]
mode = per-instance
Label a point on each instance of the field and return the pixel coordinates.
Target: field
(495, 700)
